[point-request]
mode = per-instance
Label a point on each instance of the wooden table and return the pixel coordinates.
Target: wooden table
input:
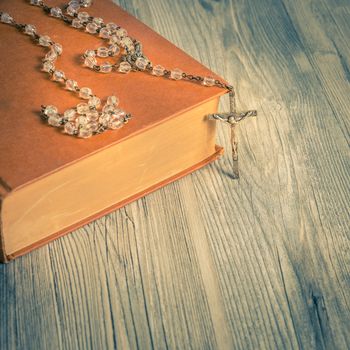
(208, 262)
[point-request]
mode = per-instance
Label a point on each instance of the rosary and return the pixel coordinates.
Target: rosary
(90, 117)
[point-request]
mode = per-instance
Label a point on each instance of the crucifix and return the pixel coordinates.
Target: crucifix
(233, 118)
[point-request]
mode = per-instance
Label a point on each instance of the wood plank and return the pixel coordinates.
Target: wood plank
(207, 262)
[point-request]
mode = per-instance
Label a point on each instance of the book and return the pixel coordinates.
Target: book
(52, 183)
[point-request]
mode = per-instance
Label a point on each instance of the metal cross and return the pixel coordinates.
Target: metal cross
(233, 118)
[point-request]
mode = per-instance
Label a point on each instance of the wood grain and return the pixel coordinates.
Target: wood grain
(207, 262)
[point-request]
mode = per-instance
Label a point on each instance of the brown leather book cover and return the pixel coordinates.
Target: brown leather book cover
(29, 148)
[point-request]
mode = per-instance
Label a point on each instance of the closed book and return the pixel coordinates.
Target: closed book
(52, 183)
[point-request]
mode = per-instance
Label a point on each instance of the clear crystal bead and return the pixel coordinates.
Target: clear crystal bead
(104, 119)
(56, 12)
(81, 120)
(112, 27)
(85, 93)
(86, 3)
(108, 109)
(91, 28)
(114, 40)
(70, 114)
(105, 67)
(76, 23)
(208, 81)
(94, 125)
(113, 100)
(72, 9)
(70, 128)
(176, 74)
(54, 120)
(85, 132)
(48, 66)
(29, 29)
(58, 75)
(94, 101)
(104, 33)
(83, 16)
(90, 62)
(102, 52)
(36, 2)
(93, 115)
(114, 49)
(57, 48)
(116, 120)
(45, 40)
(83, 108)
(158, 70)
(127, 43)
(124, 67)
(98, 21)
(121, 32)
(141, 63)
(6, 18)
(50, 110)
(71, 85)
(51, 56)
(90, 53)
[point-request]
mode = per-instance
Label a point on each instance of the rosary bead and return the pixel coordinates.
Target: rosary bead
(93, 125)
(81, 120)
(86, 3)
(127, 43)
(73, 9)
(124, 67)
(85, 131)
(112, 27)
(114, 40)
(51, 56)
(54, 120)
(90, 53)
(45, 40)
(29, 29)
(94, 101)
(56, 12)
(36, 2)
(70, 114)
(104, 119)
(90, 62)
(93, 115)
(48, 66)
(85, 93)
(76, 23)
(141, 63)
(106, 67)
(91, 28)
(98, 21)
(121, 33)
(104, 33)
(113, 100)
(83, 16)
(58, 75)
(158, 70)
(208, 81)
(50, 110)
(6, 18)
(176, 74)
(70, 128)
(114, 49)
(71, 85)
(116, 119)
(102, 52)
(57, 48)
(108, 109)
(83, 108)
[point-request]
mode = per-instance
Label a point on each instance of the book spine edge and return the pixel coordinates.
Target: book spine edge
(5, 190)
